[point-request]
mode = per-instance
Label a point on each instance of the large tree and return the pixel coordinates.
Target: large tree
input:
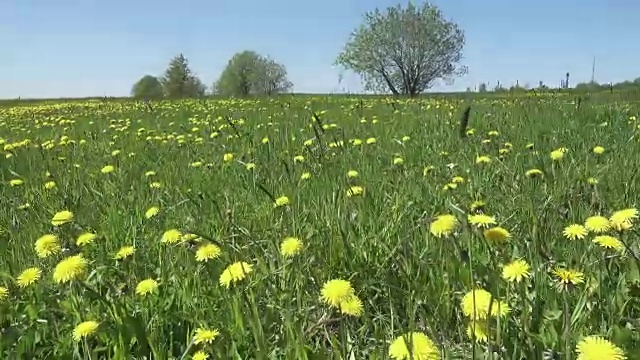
(249, 73)
(179, 81)
(148, 87)
(404, 50)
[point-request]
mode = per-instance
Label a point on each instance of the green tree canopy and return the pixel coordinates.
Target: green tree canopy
(404, 50)
(249, 73)
(179, 81)
(148, 87)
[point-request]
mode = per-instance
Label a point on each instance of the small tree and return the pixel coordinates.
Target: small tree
(248, 73)
(148, 87)
(179, 81)
(405, 50)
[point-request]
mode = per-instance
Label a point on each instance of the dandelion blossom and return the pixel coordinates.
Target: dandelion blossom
(598, 150)
(516, 271)
(62, 217)
(568, 276)
(290, 246)
(478, 329)
(575, 231)
(479, 304)
(125, 252)
(497, 234)
(147, 286)
(47, 245)
(69, 269)
(598, 348)
(355, 191)
(352, 306)
(171, 236)
(336, 291)
(4, 292)
(481, 220)
(205, 336)
(28, 277)
(281, 201)
(207, 252)
(352, 174)
(422, 348)
(200, 355)
(85, 239)
(85, 329)
(533, 173)
(609, 242)
(597, 224)
(16, 182)
(443, 225)
(234, 273)
(151, 212)
(108, 169)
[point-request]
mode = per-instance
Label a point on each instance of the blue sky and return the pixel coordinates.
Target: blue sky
(72, 48)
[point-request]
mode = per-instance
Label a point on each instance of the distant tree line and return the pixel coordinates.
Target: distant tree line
(247, 74)
(627, 85)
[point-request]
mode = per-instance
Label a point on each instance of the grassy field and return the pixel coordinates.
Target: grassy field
(252, 229)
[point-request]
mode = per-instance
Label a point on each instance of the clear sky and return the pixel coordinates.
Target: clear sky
(73, 48)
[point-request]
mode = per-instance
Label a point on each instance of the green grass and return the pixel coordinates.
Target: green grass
(407, 279)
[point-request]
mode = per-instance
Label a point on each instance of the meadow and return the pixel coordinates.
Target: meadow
(320, 227)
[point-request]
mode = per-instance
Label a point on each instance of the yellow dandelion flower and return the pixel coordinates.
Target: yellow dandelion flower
(479, 330)
(49, 185)
(207, 252)
(62, 217)
(516, 271)
(422, 347)
(568, 276)
(477, 206)
(533, 173)
(155, 185)
(85, 329)
(481, 220)
(281, 201)
(70, 269)
(171, 236)
(609, 242)
(28, 277)
(427, 170)
(250, 166)
(227, 157)
(483, 159)
(443, 225)
(597, 224)
(151, 212)
(557, 155)
(146, 287)
(4, 293)
(234, 273)
(305, 176)
(574, 232)
(398, 161)
(336, 291)
(290, 246)
(355, 191)
(497, 234)
(16, 182)
(479, 304)
(108, 169)
(624, 216)
(205, 336)
(47, 245)
(457, 180)
(598, 150)
(124, 252)
(352, 174)
(85, 239)
(598, 348)
(352, 306)
(149, 173)
(200, 355)
(371, 140)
